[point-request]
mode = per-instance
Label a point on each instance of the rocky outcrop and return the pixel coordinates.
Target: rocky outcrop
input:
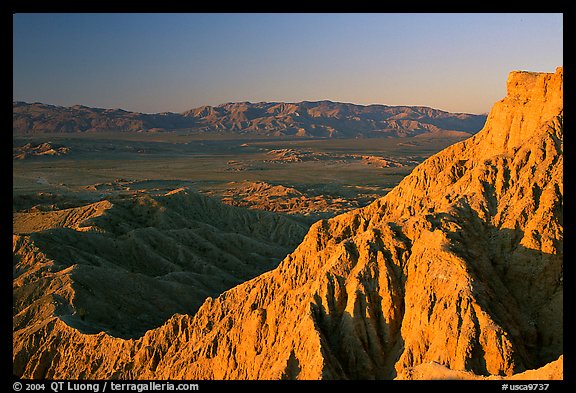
(460, 265)
(41, 150)
(430, 371)
(303, 119)
(286, 200)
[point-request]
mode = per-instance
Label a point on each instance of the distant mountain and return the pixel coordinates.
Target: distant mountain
(42, 118)
(305, 119)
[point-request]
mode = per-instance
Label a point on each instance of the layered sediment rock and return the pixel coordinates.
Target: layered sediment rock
(461, 265)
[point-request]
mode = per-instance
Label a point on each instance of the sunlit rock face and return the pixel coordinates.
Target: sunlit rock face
(458, 269)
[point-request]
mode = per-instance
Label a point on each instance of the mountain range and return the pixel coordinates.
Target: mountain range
(324, 119)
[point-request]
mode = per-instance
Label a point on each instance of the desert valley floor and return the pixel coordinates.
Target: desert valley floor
(307, 178)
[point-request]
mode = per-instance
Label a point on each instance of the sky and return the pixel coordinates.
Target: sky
(175, 62)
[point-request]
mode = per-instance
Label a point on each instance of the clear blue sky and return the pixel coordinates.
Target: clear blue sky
(175, 62)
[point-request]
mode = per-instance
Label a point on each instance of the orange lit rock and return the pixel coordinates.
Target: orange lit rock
(456, 272)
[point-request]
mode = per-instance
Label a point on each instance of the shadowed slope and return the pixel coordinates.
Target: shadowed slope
(126, 265)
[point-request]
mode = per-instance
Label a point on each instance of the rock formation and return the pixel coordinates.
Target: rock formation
(303, 119)
(44, 149)
(286, 200)
(430, 371)
(460, 265)
(125, 265)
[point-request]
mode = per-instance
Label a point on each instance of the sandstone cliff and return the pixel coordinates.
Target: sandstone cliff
(460, 265)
